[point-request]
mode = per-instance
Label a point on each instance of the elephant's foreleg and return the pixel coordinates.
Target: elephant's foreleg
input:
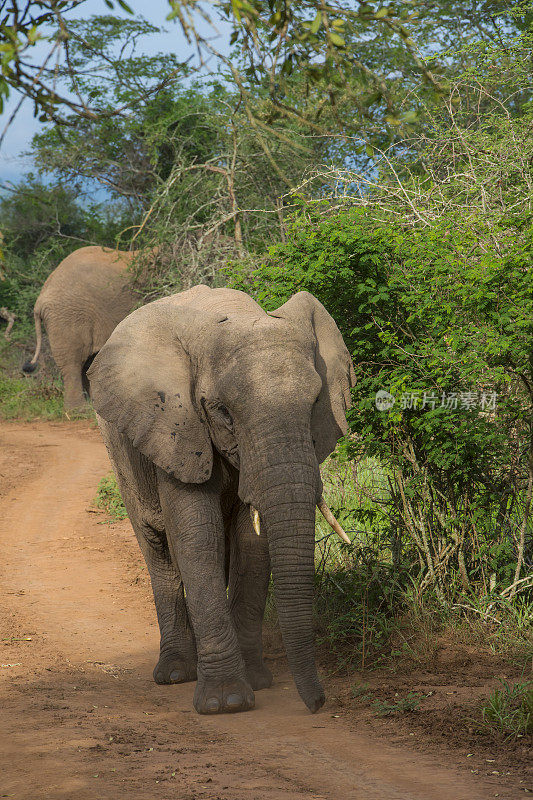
(248, 587)
(177, 650)
(137, 480)
(195, 531)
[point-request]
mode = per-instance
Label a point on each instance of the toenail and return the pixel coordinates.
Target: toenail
(212, 704)
(159, 678)
(175, 676)
(234, 701)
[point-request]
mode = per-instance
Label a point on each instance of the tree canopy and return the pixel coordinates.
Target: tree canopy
(348, 54)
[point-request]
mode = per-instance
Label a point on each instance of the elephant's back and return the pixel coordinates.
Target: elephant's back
(221, 300)
(89, 269)
(92, 267)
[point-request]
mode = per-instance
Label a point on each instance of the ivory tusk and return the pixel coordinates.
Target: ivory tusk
(330, 519)
(254, 514)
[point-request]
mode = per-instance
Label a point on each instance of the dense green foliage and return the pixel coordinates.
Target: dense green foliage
(425, 264)
(344, 51)
(445, 328)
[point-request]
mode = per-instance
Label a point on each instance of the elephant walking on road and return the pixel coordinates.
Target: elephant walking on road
(81, 303)
(216, 416)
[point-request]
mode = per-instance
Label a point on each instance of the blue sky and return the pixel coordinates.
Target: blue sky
(19, 135)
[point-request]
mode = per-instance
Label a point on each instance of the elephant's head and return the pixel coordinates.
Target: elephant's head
(269, 393)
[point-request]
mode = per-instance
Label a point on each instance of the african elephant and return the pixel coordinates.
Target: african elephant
(216, 416)
(81, 302)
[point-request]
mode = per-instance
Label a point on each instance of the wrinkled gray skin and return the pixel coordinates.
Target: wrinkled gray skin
(81, 303)
(207, 404)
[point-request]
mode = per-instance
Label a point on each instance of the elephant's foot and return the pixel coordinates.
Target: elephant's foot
(173, 668)
(259, 677)
(216, 696)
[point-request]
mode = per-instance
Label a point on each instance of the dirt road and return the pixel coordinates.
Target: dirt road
(80, 715)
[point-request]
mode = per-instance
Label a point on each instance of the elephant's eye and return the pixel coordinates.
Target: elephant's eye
(217, 412)
(223, 411)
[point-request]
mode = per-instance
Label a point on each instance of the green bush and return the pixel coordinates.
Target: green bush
(434, 317)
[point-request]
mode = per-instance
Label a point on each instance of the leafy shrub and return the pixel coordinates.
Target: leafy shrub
(358, 607)
(443, 323)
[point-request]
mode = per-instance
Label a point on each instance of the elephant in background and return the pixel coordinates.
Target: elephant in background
(81, 303)
(216, 416)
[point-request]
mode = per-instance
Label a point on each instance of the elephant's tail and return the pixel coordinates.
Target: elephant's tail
(30, 366)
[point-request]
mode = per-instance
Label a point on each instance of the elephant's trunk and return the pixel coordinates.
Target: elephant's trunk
(324, 510)
(291, 540)
(285, 493)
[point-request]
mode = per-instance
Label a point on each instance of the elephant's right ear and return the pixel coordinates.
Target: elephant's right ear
(141, 381)
(333, 364)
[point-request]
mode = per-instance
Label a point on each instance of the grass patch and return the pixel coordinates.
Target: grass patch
(109, 500)
(368, 615)
(408, 704)
(509, 709)
(36, 397)
(22, 398)
(360, 598)
(385, 708)
(360, 692)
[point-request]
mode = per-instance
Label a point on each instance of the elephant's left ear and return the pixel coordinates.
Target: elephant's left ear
(141, 382)
(333, 364)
